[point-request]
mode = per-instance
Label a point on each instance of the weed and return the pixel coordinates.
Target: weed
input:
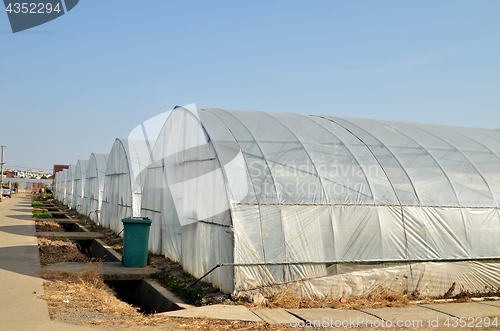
(37, 204)
(42, 214)
(489, 299)
(180, 287)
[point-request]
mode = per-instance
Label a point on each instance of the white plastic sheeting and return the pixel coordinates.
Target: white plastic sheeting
(94, 185)
(79, 185)
(123, 182)
(194, 189)
(429, 279)
(59, 189)
(63, 188)
(70, 177)
(54, 186)
(320, 191)
(56, 190)
(61, 183)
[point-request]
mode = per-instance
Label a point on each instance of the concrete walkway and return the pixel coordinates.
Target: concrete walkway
(20, 287)
(479, 313)
(421, 316)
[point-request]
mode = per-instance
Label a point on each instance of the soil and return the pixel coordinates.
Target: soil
(48, 226)
(61, 250)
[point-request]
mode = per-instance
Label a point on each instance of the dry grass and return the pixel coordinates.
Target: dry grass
(213, 325)
(85, 292)
(54, 251)
(378, 298)
(85, 299)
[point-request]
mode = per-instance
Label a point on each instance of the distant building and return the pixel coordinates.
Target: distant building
(30, 173)
(20, 174)
(59, 167)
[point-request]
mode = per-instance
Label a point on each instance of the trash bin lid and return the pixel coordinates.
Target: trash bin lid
(143, 220)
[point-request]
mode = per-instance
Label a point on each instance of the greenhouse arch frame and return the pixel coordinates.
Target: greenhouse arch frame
(378, 193)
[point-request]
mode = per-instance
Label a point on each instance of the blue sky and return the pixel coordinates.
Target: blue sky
(92, 75)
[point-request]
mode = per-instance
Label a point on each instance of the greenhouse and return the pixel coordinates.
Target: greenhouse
(122, 183)
(79, 185)
(57, 185)
(70, 176)
(62, 187)
(58, 188)
(61, 182)
(331, 205)
(265, 202)
(94, 185)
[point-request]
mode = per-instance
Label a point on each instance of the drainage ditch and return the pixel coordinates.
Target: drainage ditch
(146, 294)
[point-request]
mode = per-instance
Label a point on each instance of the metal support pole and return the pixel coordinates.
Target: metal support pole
(1, 182)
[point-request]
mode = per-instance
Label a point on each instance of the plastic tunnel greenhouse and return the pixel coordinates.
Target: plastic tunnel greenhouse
(329, 205)
(122, 184)
(56, 179)
(58, 189)
(61, 181)
(94, 185)
(61, 187)
(57, 185)
(61, 190)
(70, 177)
(79, 185)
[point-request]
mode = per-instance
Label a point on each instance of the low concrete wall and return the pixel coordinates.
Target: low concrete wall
(150, 295)
(102, 251)
(75, 227)
(155, 298)
(98, 248)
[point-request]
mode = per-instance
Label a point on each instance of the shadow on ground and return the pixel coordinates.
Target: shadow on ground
(21, 230)
(23, 260)
(21, 217)
(24, 210)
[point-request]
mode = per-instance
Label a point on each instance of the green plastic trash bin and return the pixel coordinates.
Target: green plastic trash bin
(135, 241)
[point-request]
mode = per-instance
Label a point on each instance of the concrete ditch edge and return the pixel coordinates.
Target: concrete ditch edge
(151, 294)
(155, 297)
